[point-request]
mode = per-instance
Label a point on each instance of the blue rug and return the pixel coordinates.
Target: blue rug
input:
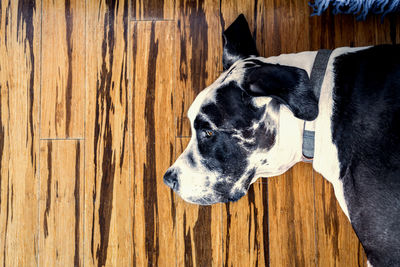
(361, 8)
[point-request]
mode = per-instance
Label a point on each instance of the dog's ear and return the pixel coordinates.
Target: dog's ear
(289, 85)
(238, 42)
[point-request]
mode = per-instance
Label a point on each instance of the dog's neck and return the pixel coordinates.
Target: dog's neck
(291, 129)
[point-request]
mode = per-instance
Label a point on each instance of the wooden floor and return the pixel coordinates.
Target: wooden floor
(93, 97)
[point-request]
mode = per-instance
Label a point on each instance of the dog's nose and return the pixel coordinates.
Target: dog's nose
(171, 179)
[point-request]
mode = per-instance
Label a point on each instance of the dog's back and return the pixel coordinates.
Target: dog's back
(366, 131)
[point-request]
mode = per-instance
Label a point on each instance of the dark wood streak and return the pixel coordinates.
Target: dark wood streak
(48, 195)
(183, 71)
(198, 36)
(265, 223)
(12, 202)
(291, 221)
(253, 217)
(26, 10)
(68, 90)
(6, 21)
(202, 237)
(182, 115)
(227, 236)
(152, 9)
(276, 33)
(124, 80)
(77, 202)
(149, 177)
(255, 15)
(221, 18)
(105, 104)
(188, 244)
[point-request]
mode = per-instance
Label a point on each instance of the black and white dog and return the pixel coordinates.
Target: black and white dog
(250, 122)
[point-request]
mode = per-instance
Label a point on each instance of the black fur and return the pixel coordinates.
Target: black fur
(366, 131)
(222, 151)
(289, 85)
(238, 42)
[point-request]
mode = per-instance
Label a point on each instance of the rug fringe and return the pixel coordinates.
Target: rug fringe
(357, 7)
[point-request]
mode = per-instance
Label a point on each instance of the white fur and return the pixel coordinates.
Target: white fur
(287, 149)
(326, 160)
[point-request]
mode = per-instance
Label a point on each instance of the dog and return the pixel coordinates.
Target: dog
(252, 122)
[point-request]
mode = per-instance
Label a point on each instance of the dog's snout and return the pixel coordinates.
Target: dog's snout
(171, 179)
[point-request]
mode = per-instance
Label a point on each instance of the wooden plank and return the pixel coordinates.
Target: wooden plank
(19, 136)
(152, 9)
(291, 218)
(199, 229)
(108, 198)
(61, 203)
(330, 31)
(335, 234)
(286, 26)
(373, 31)
(153, 146)
(230, 10)
(245, 227)
(63, 71)
(198, 54)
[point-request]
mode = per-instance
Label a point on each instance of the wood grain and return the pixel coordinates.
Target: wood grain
(63, 69)
(245, 227)
(152, 9)
(61, 203)
(153, 143)
(198, 54)
(291, 218)
(199, 229)
(108, 186)
(19, 136)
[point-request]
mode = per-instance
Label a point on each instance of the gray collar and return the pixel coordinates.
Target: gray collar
(316, 78)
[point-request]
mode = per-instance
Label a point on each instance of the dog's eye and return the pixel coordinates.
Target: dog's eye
(208, 133)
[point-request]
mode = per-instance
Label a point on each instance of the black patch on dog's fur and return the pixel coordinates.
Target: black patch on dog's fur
(238, 42)
(289, 85)
(191, 160)
(366, 131)
(222, 151)
(200, 123)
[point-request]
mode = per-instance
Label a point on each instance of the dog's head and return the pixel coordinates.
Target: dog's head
(235, 123)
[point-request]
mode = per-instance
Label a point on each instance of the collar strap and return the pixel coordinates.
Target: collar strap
(316, 78)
